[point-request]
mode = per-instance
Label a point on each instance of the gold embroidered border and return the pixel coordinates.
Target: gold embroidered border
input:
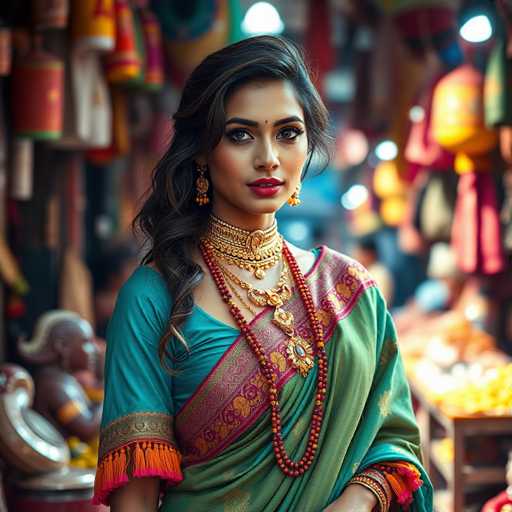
(137, 426)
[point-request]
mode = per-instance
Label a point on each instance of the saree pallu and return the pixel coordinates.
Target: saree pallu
(223, 431)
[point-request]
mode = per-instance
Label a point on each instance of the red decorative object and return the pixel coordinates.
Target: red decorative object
(123, 64)
(286, 464)
(37, 94)
(93, 25)
(154, 72)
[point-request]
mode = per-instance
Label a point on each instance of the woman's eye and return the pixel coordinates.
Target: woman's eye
(238, 135)
(290, 133)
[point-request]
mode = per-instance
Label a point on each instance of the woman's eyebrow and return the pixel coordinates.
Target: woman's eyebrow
(249, 122)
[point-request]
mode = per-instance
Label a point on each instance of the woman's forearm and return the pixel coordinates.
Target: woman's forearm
(138, 495)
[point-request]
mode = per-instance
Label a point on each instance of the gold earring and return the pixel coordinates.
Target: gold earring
(202, 185)
(294, 198)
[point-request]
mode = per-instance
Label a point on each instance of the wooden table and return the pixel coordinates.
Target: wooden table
(457, 474)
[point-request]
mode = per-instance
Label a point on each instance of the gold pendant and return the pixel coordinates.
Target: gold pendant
(284, 320)
(300, 355)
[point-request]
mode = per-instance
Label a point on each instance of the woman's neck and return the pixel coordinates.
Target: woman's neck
(244, 220)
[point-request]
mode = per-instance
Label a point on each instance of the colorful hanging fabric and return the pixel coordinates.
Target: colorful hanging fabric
(123, 64)
(185, 54)
(120, 144)
(50, 13)
(431, 26)
(185, 20)
(459, 125)
(93, 26)
(154, 69)
(140, 49)
(87, 112)
(476, 236)
(37, 111)
(318, 41)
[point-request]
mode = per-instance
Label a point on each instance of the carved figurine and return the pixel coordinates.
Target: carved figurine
(64, 348)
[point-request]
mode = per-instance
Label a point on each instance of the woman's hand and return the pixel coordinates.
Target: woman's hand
(355, 498)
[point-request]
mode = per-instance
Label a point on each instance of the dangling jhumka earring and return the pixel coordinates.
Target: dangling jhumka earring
(294, 198)
(202, 185)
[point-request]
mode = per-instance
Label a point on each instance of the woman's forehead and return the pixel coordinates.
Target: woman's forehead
(264, 101)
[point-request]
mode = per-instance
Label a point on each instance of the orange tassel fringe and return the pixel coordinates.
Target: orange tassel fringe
(149, 459)
(403, 478)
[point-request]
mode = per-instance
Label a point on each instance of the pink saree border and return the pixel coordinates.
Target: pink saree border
(234, 394)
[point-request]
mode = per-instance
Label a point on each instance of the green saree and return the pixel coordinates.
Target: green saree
(221, 432)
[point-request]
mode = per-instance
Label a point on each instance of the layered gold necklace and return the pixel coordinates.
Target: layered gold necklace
(299, 351)
(255, 251)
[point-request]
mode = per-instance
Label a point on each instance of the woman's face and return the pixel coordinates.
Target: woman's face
(256, 166)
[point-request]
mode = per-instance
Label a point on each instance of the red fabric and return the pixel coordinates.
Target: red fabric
(495, 504)
(318, 44)
(476, 236)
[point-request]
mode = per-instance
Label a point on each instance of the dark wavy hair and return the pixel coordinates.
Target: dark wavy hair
(170, 220)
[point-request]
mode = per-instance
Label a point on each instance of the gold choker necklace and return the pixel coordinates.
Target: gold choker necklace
(256, 251)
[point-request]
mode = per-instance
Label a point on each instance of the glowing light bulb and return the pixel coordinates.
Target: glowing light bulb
(262, 18)
(354, 197)
(477, 29)
(386, 150)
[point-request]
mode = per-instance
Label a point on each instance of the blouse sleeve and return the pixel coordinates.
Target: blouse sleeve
(137, 433)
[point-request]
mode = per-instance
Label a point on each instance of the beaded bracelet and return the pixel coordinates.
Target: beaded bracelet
(375, 487)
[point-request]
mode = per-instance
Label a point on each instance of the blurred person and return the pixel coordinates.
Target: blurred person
(113, 267)
(243, 372)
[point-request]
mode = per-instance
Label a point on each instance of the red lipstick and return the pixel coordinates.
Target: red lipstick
(266, 187)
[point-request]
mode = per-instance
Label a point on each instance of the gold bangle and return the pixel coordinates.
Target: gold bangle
(381, 479)
(375, 488)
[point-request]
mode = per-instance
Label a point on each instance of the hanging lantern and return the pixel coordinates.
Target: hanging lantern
(458, 122)
(387, 181)
(123, 64)
(154, 72)
(37, 110)
(5, 51)
(50, 13)
(93, 25)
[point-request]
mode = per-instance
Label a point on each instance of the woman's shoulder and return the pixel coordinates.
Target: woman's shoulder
(145, 290)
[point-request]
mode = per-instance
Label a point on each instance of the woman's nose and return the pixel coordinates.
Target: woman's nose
(267, 158)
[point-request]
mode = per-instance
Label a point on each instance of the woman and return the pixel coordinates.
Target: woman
(279, 386)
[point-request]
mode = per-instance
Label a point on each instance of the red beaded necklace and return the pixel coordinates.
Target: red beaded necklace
(286, 464)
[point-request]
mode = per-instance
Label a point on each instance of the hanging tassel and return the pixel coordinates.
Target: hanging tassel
(149, 459)
(403, 478)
